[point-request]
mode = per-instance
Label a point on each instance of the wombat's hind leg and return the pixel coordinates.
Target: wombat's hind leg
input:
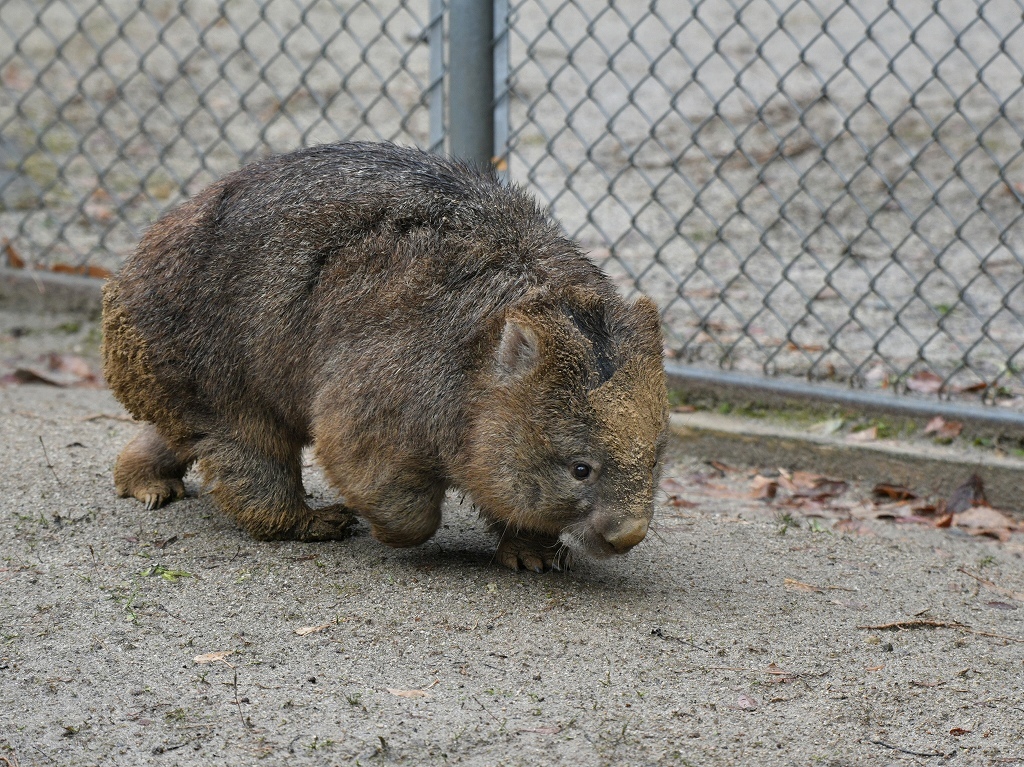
(530, 551)
(264, 494)
(151, 470)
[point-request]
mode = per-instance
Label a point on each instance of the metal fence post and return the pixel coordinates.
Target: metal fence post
(435, 92)
(501, 86)
(471, 80)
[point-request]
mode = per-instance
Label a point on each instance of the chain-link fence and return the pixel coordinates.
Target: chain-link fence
(112, 111)
(823, 188)
(826, 188)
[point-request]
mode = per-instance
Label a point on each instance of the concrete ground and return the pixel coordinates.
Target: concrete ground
(743, 631)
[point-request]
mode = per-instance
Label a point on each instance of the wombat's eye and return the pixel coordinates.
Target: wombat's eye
(581, 470)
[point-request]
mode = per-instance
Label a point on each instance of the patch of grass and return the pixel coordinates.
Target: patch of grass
(318, 744)
(785, 520)
(169, 575)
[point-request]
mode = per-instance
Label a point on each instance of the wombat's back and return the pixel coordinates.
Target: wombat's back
(348, 256)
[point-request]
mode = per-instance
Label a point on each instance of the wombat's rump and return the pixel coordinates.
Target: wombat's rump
(423, 325)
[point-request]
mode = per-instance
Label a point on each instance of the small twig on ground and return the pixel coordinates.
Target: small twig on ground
(1018, 595)
(234, 684)
(908, 751)
(108, 416)
(492, 716)
(917, 623)
(657, 632)
(922, 623)
(48, 464)
(173, 747)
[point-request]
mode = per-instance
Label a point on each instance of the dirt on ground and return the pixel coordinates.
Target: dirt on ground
(756, 625)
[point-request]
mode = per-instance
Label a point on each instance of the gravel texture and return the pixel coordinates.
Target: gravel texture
(734, 635)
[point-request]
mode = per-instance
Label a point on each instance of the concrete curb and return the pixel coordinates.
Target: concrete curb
(32, 290)
(927, 469)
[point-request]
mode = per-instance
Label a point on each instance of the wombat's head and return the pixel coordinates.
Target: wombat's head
(567, 436)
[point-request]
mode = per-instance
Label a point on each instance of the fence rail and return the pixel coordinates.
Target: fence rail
(819, 188)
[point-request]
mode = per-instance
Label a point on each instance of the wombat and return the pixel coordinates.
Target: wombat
(422, 324)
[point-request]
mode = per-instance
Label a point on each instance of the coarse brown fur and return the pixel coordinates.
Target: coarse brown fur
(423, 325)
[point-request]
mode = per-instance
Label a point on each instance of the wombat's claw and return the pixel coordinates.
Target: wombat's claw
(329, 523)
(159, 493)
(538, 556)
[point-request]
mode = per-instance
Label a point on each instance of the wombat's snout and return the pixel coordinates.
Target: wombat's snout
(623, 533)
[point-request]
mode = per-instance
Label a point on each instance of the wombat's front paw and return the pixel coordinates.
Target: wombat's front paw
(539, 553)
(156, 492)
(330, 523)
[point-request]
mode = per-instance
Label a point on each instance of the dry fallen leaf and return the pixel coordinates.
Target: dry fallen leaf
(54, 369)
(746, 703)
(552, 730)
(213, 657)
(794, 585)
(925, 382)
(864, 435)
(305, 630)
(14, 260)
(893, 492)
(763, 487)
(984, 520)
(408, 693)
(970, 493)
(943, 429)
(852, 527)
(1001, 605)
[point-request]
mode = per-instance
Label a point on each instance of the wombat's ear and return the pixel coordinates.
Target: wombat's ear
(645, 319)
(519, 349)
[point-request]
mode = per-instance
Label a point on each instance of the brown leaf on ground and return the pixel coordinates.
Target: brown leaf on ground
(877, 376)
(14, 260)
(893, 492)
(552, 730)
(864, 435)
(794, 347)
(867, 510)
(306, 630)
(925, 382)
(804, 484)
(984, 520)
(795, 585)
(852, 527)
(54, 369)
(943, 429)
(1001, 605)
(970, 493)
(763, 487)
(96, 272)
(408, 693)
(746, 703)
(673, 489)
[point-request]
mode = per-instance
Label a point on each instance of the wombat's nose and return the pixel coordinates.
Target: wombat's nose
(623, 534)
